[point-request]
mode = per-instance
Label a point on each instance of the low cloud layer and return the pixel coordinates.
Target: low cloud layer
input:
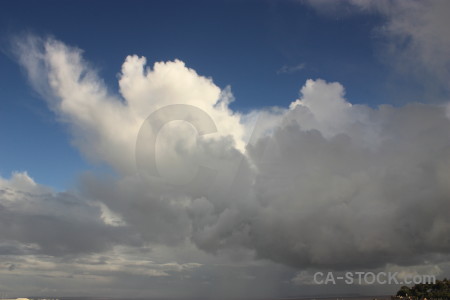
(36, 220)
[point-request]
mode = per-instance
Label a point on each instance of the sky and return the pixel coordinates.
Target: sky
(222, 149)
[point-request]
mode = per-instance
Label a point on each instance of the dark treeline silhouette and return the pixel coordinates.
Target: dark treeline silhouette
(438, 290)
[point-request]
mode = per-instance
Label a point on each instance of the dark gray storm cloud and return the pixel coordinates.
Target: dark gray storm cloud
(337, 202)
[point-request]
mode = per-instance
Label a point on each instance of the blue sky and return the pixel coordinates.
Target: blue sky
(338, 130)
(241, 44)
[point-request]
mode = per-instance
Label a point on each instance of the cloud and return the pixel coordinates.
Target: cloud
(414, 37)
(324, 184)
(419, 41)
(105, 126)
(37, 220)
(339, 185)
(341, 202)
(285, 69)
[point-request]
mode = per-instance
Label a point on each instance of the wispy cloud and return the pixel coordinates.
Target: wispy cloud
(290, 69)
